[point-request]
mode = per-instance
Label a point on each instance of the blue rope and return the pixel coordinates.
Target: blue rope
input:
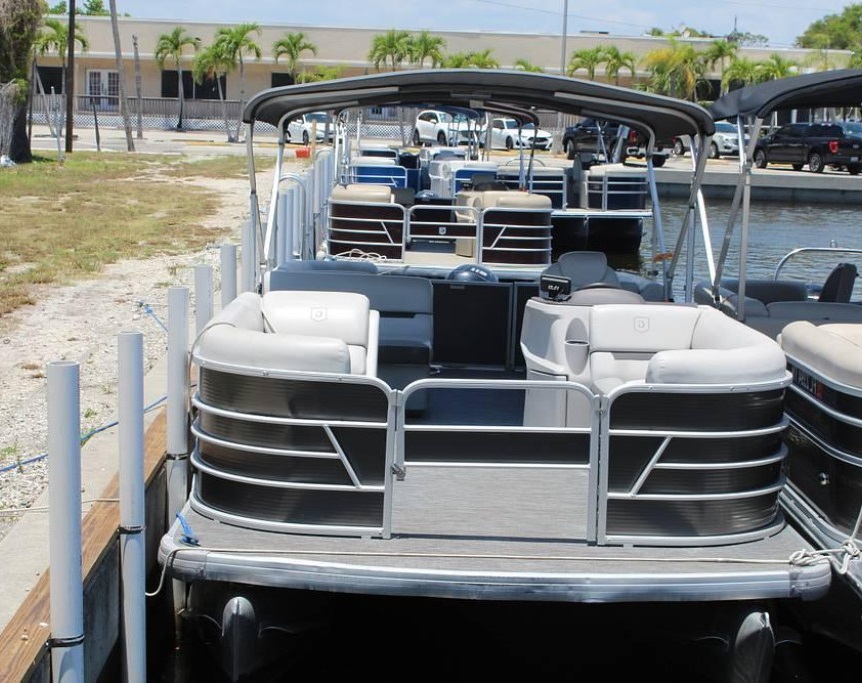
(84, 439)
(188, 537)
(146, 308)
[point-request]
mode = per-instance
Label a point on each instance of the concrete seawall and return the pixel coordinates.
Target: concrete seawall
(777, 184)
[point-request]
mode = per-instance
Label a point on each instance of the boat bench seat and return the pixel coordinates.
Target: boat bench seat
(405, 305)
(676, 344)
(308, 333)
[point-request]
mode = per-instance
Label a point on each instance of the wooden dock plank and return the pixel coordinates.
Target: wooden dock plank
(24, 640)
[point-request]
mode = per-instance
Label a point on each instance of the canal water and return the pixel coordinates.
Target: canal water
(424, 639)
(774, 230)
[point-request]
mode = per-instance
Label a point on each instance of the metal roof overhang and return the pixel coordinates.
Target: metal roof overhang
(839, 88)
(487, 90)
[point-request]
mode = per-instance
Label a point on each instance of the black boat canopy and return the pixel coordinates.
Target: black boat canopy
(482, 89)
(839, 88)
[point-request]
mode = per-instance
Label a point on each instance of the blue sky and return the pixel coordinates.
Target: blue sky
(780, 21)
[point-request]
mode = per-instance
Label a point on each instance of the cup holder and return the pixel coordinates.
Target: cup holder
(577, 351)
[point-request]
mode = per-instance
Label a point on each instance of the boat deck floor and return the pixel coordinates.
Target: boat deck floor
(495, 534)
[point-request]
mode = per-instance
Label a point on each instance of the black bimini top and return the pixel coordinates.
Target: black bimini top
(485, 89)
(839, 88)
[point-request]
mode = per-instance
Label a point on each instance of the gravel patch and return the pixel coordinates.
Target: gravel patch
(81, 323)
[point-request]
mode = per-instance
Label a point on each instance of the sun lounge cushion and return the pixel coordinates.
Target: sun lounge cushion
(362, 192)
(835, 350)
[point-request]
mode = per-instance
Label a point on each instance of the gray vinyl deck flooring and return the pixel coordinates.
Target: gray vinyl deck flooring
(469, 530)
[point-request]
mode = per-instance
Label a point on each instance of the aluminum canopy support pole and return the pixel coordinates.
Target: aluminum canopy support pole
(249, 271)
(203, 296)
(228, 273)
(64, 515)
(132, 515)
(177, 458)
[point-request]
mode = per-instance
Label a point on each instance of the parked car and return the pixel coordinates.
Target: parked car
(816, 144)
(635, 146)
(505, 134)
(300, 129)
(725, 142)
(584, 137)
(443, 128)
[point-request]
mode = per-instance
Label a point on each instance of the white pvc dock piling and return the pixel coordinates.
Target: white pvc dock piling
(177, 458)
(203, 296)
(228, 273)
(64, 486)
(177, 400)
(132, 512)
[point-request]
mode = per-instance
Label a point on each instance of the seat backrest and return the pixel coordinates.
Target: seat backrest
(839, 284)
(342, 315)
(624, 338)
(584, 268)
(405, 303)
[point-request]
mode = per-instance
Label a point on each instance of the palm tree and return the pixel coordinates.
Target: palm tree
(483, 60)
(233, 44)
(426, 46)
(211, 63)
(291, 46)
(458, 60)
(741, 70)
(171, 45)
(390, 48)
(719, 52)
(615, 60)
(522, 64)
(776, 66)
(55, 38)
(118, 53)
(677, 69)
(588, 60)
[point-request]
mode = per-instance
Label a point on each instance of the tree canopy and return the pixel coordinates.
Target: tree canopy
(835, 31)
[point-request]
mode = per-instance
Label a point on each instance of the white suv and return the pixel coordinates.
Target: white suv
(300, 128)
(440, 127)
(505, 135)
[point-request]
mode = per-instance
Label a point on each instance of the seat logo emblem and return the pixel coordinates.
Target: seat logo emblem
(641, 324)
(318, 314)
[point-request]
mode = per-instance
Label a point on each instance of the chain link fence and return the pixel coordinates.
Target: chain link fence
(159, 113)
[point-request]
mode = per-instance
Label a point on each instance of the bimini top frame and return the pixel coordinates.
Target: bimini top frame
(655, 116)
(750, 106)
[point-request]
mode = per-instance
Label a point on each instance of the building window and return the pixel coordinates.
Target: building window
(277, 80)
(103, 90)
(51, 77)
(207, 90)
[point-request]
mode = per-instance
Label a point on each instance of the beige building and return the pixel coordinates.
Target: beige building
(347, 49)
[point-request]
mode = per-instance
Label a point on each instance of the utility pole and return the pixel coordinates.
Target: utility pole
(558, 138)
(69, 85)
(138, 88)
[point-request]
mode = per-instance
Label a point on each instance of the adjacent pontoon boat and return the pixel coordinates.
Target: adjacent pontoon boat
(820, 331)
(422, 400)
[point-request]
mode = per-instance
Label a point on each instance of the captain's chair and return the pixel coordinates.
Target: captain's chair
(584, 268)
(839, 284)
(593, 280)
